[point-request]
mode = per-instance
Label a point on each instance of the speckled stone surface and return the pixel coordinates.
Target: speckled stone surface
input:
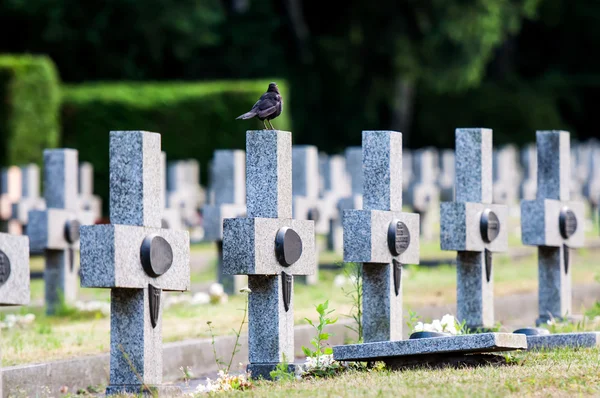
(263, 370)
(571, 340)
(474, 165)
(554, 284)
(528, 188)
(135, 183)
(269, 173)
(354, 166)
(382, 308)
(474, 294)
(305, 171)
(365, 236)
(353, 202)
(554, 164)
(15, 291)
(110, 257)
(21, 209)
(270, 327)
(133, 338)
(60, 278)
(229, 177)
(540, 223)
(249, 246)
(460, 227)
(60, 178)
(46, 228)
(382, 166)
(213, 216)
(467, 344)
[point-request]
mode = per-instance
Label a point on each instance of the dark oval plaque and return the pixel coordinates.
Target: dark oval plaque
(288, 246)
(156, 255)
(489, 226)
(427, 335)
(72, 231)
(398, 237)
(567, 222)
(4, 268)
(532, 331)
(313, 214)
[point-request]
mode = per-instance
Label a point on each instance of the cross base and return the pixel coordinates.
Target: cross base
(151, 390)
(263, 370)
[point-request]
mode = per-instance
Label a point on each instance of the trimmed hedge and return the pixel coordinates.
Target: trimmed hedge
(29, 108)
(194, 119)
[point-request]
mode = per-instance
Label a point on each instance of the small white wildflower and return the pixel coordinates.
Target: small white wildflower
(216, 290)
(339, 281)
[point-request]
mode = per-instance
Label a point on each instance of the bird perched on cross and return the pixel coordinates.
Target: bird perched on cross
(268, 107)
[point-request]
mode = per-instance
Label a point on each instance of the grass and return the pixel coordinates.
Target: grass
(552, 373)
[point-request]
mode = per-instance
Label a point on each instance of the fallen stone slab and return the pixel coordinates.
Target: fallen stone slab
(564, 340)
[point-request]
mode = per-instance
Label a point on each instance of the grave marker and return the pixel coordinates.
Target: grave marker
(87, 200)
(447, 174)
(137, 259)
(10, 193)
(30, 195)
(529, 161)
(337, 186)
(424, 194)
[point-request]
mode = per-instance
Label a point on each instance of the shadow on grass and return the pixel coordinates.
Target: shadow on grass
(454, 361)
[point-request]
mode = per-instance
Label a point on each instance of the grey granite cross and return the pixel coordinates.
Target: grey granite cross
(87, 200)
(137, 259)
(528, 186)
(423, 193)
(14, 272)
(55, 230)
(270, 247)
(447, 174)
(10, 193)
(30, 195)
(506, 175)
(336, 187)
(381, 237)
(474, 227)
(171, 217)
(228, 185)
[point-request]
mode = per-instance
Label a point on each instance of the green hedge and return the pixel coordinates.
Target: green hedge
(194, 119)
(29, 108)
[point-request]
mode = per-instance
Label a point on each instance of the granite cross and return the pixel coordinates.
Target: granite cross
(423, 193)
(270, 247)
(474, 227)
(528, 186)
(381, 237)
(336, 187)
(171, 216)
(87, 200)
(10, 192)
(137, 260)
(55, 230)
(228, 186)
(30, 195)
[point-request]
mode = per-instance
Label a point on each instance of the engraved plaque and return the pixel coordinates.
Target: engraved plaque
(489, 226)
(398, 237)
(156, 255)
(4, 268)
(288, 246)
(72, 231)
(567, 222)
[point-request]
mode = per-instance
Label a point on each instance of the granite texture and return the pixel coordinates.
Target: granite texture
(382, 168)
(46, 229)
(15, 291)
(21, 209)
(270, 327)
(365, 236)
(305, 171)
(467, 344)
(460, 227)
(540, 225)
(60, 178)
(263, 370)
(231, 283)
(560, 340)
(135, 183)
(249, 246)
(269, 173)
(353, 202)
(229, 177)
(474, 294)
(354, 166)
(554, 164)
(382, 308)
(528, 188)
(60, 279)
(110, 258)
(302, 205)
(213, 216)
(135, 346)
(474, 165)
(554, 284)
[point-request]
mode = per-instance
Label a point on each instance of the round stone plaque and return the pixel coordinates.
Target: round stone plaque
(567, 222)
(313, 214)
(398, 237)
(288, 246)
(72, 231)
(489, 226)
(4, 268)
(156, 255)
(427, 335)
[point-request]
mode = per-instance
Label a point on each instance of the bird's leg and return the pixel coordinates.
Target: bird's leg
(271, 124)
(265, 124)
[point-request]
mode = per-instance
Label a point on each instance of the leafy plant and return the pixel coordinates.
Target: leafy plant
(353, 271)
(282, 371)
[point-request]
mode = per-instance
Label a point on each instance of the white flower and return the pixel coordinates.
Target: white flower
(216, 290)
(200, 298)
(339, 280)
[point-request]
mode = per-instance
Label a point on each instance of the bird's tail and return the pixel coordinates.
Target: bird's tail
(247, 115)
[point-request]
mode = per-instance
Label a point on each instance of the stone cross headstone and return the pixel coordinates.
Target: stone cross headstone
(424, 194)
(171, 217)
(87, 200)
(182, 194)
(407, 171)
(137, 259)
(30, 195)
(554, 224)
(381, 236)
(337, 186)
(270, 247)
(529, 161)
(474, 227)
(55, 230)
(229, 187)
(14, 272)
(507, 175)
(353, 157)
(446, 177)
(10, 193)
(592, 185)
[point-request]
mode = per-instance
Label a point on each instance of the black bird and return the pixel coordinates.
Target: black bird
(267, 107)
